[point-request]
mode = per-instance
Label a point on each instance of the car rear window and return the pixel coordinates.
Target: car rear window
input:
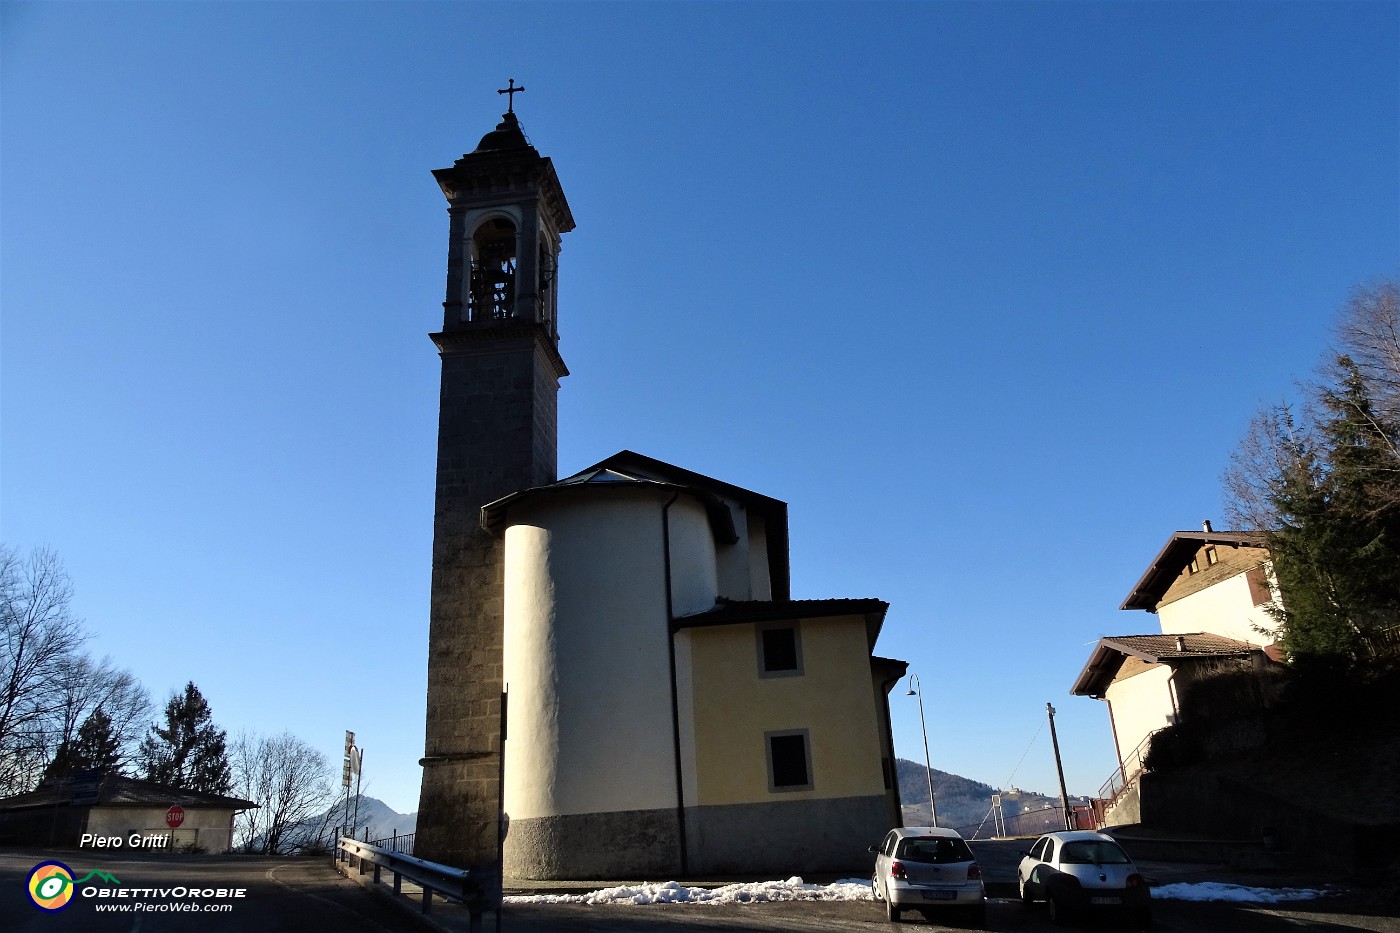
(1092, 852)
(934, 849)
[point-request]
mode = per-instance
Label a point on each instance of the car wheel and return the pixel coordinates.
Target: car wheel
(1026, 900)
(1056, 910)
(875, 887)
(1142, 919)
(891, 911)
(979, 916)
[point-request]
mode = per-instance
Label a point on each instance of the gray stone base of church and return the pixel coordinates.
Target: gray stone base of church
(782, 838)
(787, 837)
(633, 845)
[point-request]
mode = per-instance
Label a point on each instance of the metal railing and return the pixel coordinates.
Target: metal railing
(1029, 822)
(1123, 775)
(401, 843)
(478, 889)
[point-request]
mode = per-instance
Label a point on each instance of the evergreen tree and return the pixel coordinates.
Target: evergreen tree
(189, 752)
(1335, 541)
(95, 746)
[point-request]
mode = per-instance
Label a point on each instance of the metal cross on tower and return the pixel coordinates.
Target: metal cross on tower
(511, 90)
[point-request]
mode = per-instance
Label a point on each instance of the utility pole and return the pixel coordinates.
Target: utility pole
(1060, 769)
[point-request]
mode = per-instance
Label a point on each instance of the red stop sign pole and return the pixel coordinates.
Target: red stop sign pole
(175, 816)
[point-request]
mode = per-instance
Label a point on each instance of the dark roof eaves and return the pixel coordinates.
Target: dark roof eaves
(1158, 570)
(1112, 650)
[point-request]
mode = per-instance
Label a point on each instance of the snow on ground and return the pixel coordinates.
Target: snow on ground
(856, 889)
(1215, 891)
(671, 892)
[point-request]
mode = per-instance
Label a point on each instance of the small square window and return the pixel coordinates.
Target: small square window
(779, 651)
(789, 765)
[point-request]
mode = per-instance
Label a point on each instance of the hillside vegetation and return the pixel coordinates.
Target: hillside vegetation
(966, 805)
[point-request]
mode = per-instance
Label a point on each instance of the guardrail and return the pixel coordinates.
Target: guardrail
(477, 889)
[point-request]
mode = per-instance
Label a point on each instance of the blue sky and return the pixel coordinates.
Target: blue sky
(986, 292)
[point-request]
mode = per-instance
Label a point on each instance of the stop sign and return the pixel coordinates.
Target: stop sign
(175, 816)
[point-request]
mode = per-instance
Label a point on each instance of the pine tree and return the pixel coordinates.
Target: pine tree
(94, 747)
(189, 752)
(1336, 548)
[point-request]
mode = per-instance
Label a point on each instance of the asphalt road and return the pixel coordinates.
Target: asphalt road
(307, 895)
(279, 896)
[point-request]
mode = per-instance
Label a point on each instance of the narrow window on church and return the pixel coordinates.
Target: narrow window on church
(779, 651)
(789, 760)
(492, 295)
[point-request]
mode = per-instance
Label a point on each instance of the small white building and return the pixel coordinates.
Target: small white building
(124, 813)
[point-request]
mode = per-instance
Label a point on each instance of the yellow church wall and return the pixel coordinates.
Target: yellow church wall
(732, 708)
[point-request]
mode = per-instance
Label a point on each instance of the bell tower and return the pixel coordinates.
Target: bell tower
(497, 434)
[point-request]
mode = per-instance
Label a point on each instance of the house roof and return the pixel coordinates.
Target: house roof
(732, 612)
(1110, 653)
(629, 470)
(891, 669)
(1174, 557)
(108, 789)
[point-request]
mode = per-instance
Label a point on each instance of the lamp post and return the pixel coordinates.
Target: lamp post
(916, 689)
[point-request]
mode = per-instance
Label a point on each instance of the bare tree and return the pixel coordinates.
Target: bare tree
(39, 637)
(1368, 332)
(289, 780)
(88, 685)
(1277, 448)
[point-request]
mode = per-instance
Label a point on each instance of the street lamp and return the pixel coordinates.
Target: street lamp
(916, 689)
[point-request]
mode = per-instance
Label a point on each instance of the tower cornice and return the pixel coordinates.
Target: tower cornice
(479, 175)
(476, 340)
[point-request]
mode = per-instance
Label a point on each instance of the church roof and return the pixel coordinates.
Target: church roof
(504, 160)
(507, 135)
(773, 511)
(733, 612)
(627, 469)
(108, 789)
(1173, 558)
(1110, 653)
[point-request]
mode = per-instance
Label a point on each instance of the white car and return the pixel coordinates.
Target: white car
(1083, 871)
(928, 869)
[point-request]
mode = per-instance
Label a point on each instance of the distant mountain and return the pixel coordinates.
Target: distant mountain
(373, 813)
(966, 805)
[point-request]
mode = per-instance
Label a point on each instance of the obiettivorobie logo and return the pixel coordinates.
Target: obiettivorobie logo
(51, 884)
(52, 888)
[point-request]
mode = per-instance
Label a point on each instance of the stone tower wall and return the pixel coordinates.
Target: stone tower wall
(497, 435)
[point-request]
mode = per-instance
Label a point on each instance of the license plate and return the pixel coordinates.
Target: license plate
(1105, 900)
(940, 895)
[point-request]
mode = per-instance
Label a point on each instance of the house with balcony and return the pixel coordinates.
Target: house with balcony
(1212, 592)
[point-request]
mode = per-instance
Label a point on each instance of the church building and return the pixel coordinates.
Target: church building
(620, 684)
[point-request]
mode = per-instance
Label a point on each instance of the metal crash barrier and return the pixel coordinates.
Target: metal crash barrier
(477, 889)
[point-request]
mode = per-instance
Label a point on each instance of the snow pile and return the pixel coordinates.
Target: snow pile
(1216, 891)
(671, 892)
